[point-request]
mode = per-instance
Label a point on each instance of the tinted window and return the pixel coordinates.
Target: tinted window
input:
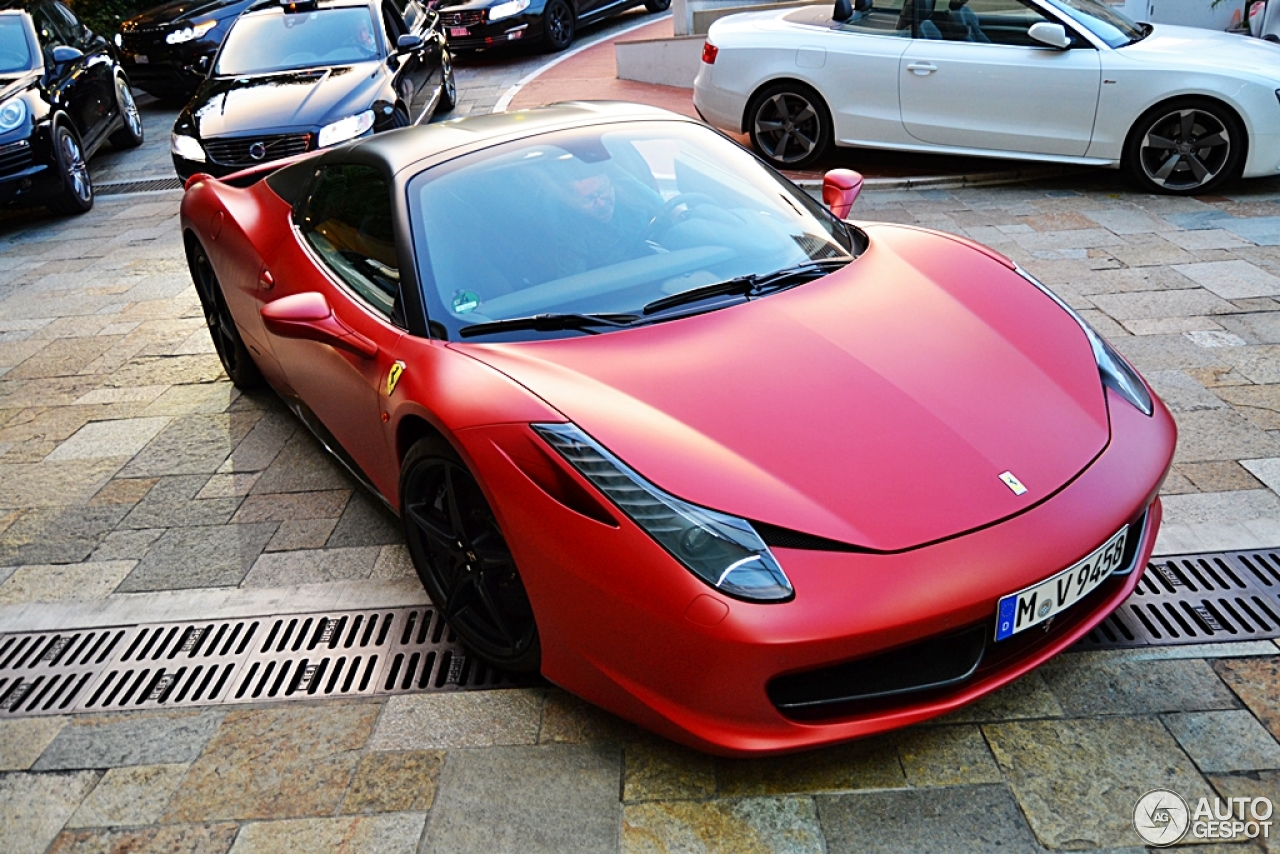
(274, 41)
(68, 22)
(15, 50)
(348, 222)
(50, 30)
(604, 219)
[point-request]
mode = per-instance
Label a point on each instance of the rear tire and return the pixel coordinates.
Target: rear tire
(234, 355)
(130, 135)
(657, 5)
(1185, 147)
(75, 196)
(790, 125)
(448, 86)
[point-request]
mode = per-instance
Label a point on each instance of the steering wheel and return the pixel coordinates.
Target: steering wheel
(668, 216)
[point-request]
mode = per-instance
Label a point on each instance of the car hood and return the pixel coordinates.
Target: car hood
(12, 84)
(1184, 47)
(227, 106)
(185, 10)
(878, 406)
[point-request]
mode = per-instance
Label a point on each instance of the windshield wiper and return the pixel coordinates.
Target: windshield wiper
(550, 322)
(752, 284)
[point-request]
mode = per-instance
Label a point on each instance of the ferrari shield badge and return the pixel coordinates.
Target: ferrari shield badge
(393, 376)
(1015, 485)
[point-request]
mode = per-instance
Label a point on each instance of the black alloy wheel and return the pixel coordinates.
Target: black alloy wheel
(448, 86)
(657, 5)
(1185, 147)
(130, 135)
(463, 559)
(789, 125)
(232, 352)
(558, 24)
(75, 196)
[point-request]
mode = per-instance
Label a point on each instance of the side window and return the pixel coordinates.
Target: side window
(49, 29)
(878, 17)
(394, 23)
(68, 23)
(979, 21)
(348, 221)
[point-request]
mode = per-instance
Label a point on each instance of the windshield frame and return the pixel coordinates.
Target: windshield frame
(1081, 14)
(445, 325)
(271, 14)
(35, 57)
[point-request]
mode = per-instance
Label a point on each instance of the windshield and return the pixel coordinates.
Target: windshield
(605, 220)
(15, 49)
(1105, 22)
(266, 42)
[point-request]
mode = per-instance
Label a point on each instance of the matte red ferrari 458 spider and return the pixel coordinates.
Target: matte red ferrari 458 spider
(665, 429)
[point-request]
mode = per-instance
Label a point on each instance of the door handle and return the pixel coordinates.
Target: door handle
(920, 69)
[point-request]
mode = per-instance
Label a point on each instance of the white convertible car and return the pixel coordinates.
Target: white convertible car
(1068, 81)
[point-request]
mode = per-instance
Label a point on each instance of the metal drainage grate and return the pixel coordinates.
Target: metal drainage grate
(247, 660)
(125, 188)
(1197, 598)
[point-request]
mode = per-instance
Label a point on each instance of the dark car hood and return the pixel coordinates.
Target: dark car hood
(12, 84)
(878, 406)
(290, 100)
(185, 10)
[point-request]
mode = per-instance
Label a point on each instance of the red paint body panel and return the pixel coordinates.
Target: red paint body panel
(876, 406)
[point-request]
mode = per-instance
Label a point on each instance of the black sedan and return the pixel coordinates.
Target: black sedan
(553, 23)
(62, 95)
(296, 77)
(167, 50)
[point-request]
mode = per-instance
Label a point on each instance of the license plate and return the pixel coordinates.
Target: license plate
(458, 32)
(140, 59)
(1039, 602)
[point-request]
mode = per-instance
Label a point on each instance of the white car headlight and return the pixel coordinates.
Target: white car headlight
(186, 147)
(345, 129)
(12, 114)
(187, 34)
(506, 10)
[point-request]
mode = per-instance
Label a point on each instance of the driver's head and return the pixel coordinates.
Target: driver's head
(594, 196)
(364, 36)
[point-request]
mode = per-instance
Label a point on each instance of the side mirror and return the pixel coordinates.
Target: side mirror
(409, 43)
(62, 54)
(308, 316)
(1054, 35)
(840, 188)
(204, 62)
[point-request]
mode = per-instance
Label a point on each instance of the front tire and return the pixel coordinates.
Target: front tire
(1185, 147)
(558, 25)
(463, 559)
(448, 86)
(129, 136)
(75, 196)
(657, 5)
(232, 352)
(790, 125)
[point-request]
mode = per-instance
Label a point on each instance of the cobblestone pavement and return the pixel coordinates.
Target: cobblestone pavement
(135, 480)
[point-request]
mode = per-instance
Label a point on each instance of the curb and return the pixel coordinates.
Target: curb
(950, 182)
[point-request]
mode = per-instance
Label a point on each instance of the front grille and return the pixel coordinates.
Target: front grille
(15, 157)
(239, 151)
(462, 19)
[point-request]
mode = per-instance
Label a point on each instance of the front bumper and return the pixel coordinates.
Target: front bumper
(464, 32)
(627, 628)
(165, 70)
(26, 171)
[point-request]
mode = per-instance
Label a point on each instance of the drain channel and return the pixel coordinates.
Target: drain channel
(1197, 598)
(246, 660)
(125, 188)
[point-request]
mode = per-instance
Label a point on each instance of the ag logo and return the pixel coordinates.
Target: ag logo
(393, 376)
(1015, 485)
(1161, 817)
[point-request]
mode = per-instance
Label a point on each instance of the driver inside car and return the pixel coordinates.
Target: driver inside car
(603, 217)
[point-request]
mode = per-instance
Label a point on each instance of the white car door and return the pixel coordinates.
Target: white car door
(973, 78)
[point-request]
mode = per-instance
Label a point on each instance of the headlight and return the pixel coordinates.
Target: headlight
(12, 114)
(118, 40)
(722, 550)
(187, 34)
(506, 10)
(1115, 371)
(186, 147)
(345, 129)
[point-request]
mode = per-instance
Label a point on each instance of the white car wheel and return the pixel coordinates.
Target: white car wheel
(1185, 147)
(789, 125)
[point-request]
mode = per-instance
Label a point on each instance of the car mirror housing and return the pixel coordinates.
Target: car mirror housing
(307, 315)
(409, 43)
(62, 54)
(1053, 35)
(840, 188)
